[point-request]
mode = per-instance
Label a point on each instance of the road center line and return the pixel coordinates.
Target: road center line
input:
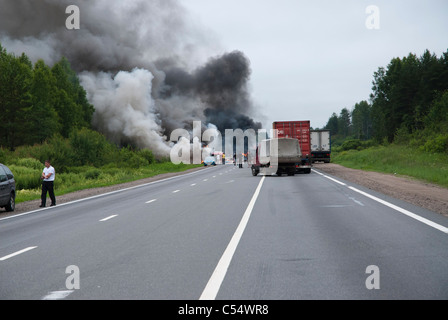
(110, 217)
(57, 295)
(215, 281)
(17, 253)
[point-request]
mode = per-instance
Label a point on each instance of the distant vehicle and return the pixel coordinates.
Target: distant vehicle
(286, 150)
(299, 130)
(7, 189)
(210, 161)
(320, 145)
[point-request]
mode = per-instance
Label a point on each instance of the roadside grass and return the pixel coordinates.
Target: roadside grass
(398, 159)
(86, 177)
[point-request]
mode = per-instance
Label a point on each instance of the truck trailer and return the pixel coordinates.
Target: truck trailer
(320, 146)
(299, 130)
(277, 156)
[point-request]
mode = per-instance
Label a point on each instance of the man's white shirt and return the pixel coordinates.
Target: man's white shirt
(48, 170)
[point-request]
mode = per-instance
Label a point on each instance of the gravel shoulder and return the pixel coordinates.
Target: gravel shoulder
(34, 204)
(422, 194)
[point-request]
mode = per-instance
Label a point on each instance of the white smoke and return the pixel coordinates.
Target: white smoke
(124, 108)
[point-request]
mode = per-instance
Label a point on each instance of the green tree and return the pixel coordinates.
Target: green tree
(70, 102)
(437, 118)
(361, 121)
(42, 118)
(403, 93)
(344, 123)
(15, 98)
(332, 124)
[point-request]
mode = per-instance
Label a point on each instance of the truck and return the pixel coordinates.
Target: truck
(320, 145)
(299, 130)
(276, 156)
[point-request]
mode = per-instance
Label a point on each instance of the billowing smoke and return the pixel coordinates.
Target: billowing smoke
(141, 63)
(125, 108)
(222, 86)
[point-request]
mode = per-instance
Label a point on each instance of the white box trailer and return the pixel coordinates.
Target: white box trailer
(320, 145)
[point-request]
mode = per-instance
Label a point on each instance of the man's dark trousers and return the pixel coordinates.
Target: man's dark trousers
(48, 186)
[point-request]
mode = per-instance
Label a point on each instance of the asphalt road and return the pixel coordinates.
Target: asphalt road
(220, 233)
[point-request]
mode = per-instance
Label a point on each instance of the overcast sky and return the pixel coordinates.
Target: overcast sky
(312, 58)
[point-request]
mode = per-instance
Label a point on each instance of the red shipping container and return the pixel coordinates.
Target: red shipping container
(295, 129)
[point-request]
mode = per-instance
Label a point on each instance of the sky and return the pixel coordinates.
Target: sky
(150, 67)
(309, 59)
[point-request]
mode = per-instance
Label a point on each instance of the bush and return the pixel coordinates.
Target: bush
(135, 161)
(437, 144)
(25, 177)
(355, 144)
(89, 147)
(147, 155)
(69, 179)
(92, 173)
(131, 159)
(30, 163)
(3, 155)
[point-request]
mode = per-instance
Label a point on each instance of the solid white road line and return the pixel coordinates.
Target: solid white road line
(101, 195)
(17, 253)
(390, 205)
(215, 281)
(404, 211)
(108, 218)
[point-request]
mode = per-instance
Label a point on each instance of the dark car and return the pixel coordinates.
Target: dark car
(7, 189)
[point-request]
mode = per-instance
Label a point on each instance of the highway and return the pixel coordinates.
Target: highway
(220, 233)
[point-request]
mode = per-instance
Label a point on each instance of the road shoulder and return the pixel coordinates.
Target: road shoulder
(422, 194)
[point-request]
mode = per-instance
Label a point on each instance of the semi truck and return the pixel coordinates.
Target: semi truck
(320, 146)
(277, 156)
(299, 130)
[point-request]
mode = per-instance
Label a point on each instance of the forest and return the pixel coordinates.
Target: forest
(408, 105)
(45, 114)
(38, 102)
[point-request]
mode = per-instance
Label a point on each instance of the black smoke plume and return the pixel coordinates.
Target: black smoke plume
(141, 63)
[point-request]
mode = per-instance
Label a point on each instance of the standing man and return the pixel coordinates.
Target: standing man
(48, 176)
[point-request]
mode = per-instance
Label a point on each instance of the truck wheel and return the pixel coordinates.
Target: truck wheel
(254, 171)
